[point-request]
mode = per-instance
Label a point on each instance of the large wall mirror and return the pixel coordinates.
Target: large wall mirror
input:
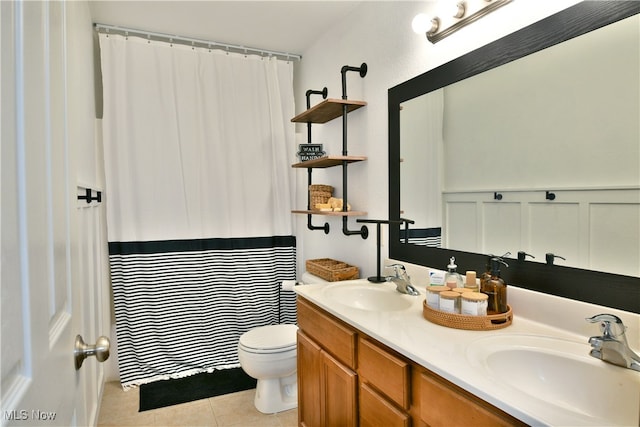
(531, 143)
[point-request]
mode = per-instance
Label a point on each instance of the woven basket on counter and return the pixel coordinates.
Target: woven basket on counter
(332, 270)
(471, 323)
(319, 193)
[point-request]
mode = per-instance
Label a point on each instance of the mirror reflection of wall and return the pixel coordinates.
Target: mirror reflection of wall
(565, 119)
(421, 163)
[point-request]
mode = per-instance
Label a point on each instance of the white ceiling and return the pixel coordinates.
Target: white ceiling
(286, 26)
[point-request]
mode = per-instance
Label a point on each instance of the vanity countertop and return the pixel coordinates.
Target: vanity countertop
(459, 355)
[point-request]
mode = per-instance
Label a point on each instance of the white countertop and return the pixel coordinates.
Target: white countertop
(450, 352)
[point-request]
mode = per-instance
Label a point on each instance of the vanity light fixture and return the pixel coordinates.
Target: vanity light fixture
(462, 14)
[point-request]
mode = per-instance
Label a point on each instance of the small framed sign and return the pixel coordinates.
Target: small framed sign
(310, 151)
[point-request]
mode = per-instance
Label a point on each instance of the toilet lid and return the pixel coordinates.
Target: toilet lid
(270, 337)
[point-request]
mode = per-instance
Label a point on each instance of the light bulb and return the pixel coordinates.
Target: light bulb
(421, 23)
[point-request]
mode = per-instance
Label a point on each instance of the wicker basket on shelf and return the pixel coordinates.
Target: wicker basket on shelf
(332, 270)
(319, 193)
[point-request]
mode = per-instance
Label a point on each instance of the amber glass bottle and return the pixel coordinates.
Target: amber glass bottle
(495, 288)
(486, 274)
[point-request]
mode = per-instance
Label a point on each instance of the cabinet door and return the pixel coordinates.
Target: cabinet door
(309, 382)
(375, 410)
(339, 394)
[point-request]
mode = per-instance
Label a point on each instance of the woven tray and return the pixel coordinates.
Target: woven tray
(471, 323)
(332, 270)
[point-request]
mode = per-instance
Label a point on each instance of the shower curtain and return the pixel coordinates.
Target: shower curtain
(198, 193)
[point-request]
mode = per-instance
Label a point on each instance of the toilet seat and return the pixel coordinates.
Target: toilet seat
(269, 339)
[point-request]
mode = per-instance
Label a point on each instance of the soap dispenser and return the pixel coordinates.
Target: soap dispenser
(486, 274)
(452, 278)
(495, 288)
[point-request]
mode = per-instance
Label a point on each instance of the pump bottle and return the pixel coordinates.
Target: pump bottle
(495, 288)
(452, 278)
(486, 274)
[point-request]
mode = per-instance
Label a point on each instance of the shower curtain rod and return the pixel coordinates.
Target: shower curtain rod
(112, 29)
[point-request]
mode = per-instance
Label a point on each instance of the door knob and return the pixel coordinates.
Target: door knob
(82, 350)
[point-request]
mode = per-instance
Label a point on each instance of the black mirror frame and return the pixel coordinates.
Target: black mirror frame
(610, 290)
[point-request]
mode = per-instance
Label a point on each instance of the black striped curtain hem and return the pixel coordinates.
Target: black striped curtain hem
(182, 305)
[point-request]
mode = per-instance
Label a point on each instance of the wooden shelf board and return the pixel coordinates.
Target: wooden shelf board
(329, 213)
(327, 110)
(328, 161)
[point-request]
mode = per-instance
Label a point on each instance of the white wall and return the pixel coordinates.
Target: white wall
(584, 132)
(379, 33)
(87, 159)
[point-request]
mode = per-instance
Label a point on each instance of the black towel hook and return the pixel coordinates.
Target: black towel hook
(88, 196)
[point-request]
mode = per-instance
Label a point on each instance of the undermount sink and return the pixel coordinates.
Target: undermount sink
(369, 296)
(561, 375)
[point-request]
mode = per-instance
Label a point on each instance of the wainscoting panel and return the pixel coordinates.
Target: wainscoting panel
(617, 225)
(595, 229)
(460, 229)
(555, 228)
(499, 221)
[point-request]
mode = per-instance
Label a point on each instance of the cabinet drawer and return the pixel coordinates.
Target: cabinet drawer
(386, 372)
(333, 336)
(376, 411)
(444, 404)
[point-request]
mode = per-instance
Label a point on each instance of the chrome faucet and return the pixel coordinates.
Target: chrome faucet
(612, 346)
(402, 280)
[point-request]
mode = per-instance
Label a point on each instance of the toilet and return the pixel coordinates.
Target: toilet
(268, 354)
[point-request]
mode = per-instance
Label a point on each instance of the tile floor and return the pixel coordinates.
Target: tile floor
(120, 408)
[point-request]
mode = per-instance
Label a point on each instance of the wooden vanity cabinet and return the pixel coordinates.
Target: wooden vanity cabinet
(346, 378)
(327, 381)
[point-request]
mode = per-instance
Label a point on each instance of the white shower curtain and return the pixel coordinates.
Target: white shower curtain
(198, 147)
(197, 142)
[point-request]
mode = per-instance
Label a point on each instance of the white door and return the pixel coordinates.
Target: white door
(44, 304)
